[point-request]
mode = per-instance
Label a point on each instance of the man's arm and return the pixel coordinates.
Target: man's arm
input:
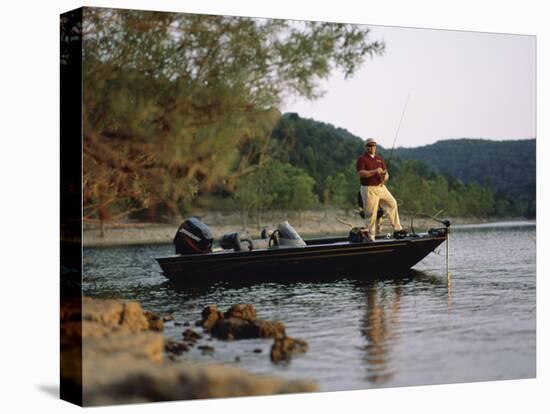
(362, 172)
(370, 173)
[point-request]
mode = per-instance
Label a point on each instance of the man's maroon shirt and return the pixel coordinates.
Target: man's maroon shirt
(366, 162)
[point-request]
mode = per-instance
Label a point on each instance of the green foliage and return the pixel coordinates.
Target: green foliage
(341, 189)
(275, 186)
(419, 190)
(176, 104)
(334, 190)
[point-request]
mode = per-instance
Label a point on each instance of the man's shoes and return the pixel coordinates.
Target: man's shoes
(400, 234)
(360, 212)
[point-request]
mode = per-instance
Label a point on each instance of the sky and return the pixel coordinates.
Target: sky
(446, 84)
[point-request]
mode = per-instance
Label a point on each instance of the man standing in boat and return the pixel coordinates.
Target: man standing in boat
(373, 175)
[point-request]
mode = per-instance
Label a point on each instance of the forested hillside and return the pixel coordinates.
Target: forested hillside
(320, 149)
(507, 167)
(463, 177)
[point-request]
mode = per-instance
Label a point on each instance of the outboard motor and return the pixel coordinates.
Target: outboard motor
(192, 237)
(288, 237)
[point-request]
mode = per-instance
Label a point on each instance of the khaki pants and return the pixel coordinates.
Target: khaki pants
(374, 196)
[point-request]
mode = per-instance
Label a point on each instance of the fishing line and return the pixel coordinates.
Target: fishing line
(398, 128)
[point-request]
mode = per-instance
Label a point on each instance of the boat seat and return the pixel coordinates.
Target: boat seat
(260, 244)
(240, 241)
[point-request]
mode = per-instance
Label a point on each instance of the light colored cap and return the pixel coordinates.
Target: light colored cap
(369, 141)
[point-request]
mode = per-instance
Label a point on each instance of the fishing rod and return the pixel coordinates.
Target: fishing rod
(446, 223)
(397, 132)
(359, 197)
(434, 217)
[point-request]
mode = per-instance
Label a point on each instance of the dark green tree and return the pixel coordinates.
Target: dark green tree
(335, 191)
(275, 186)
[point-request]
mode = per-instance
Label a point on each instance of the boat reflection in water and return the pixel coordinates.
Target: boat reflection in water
(382, 325)
(381, 329)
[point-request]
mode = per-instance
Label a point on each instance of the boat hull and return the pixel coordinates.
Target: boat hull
(320, 258)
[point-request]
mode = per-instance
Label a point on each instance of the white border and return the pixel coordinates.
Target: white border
(30, 202)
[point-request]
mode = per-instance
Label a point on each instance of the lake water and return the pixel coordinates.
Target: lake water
(383, 332)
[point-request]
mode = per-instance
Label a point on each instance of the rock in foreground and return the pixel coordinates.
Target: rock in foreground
(105, 330)
(235, 328)
(210, 315)
(239, 322)
(175, 348)
(146, 382)
(122, 360)
(240, 311)
(284, 347)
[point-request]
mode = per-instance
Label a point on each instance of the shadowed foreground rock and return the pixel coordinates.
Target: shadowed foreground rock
(175, 348)
(210, 315)
(239, 322)
(109, 329)
(123, 360)
(235, 328)
(246, 311)
(284, 347)
(190, 335)
(156, 323)
(141, 381)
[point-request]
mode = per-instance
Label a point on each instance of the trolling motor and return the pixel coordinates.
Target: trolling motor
(193, 237)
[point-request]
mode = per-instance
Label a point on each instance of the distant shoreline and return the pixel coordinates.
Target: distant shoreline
(318, 223)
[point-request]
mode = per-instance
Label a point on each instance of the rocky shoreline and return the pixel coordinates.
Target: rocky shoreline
(322, 222)
(126, 359)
